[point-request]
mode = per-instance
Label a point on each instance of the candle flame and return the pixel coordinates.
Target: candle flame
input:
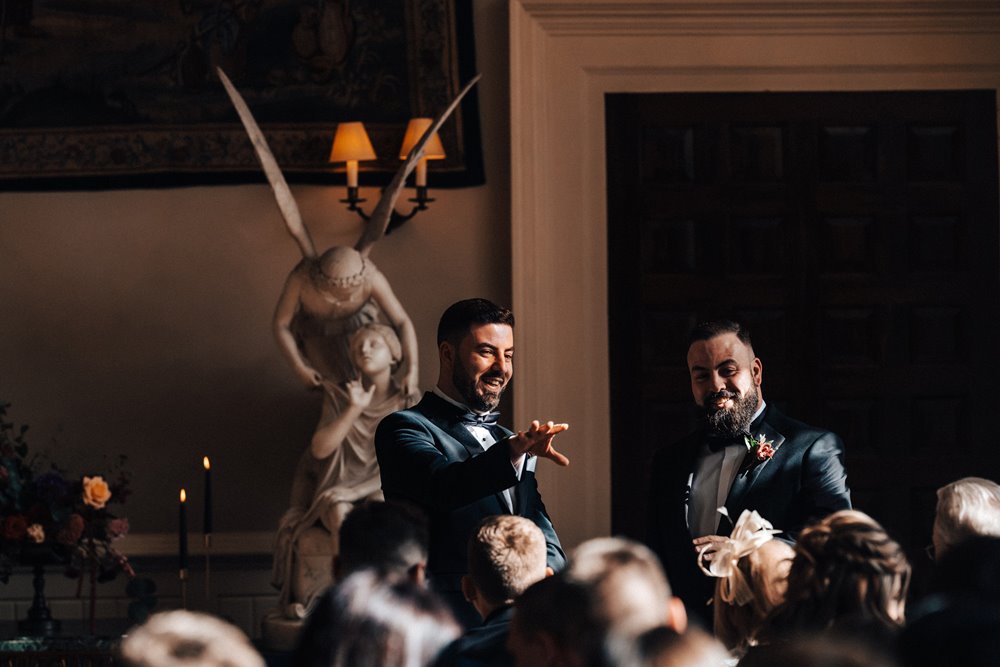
(205, 462)
(184, 496)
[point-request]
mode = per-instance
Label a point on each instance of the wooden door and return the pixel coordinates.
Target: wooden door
(856, 234)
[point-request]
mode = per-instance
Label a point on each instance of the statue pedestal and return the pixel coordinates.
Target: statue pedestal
(280, 633)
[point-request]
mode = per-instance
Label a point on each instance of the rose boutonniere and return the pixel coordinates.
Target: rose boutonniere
(760, 447)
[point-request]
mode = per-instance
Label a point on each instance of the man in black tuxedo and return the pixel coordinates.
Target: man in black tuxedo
(448, 455)
(746, 455)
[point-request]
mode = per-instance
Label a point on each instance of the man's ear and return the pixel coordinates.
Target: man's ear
(757, 370)
(446, 352)
(677, 618)
(549, 571)
(469, 591)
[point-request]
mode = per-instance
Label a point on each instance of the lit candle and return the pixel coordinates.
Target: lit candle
(421, 172)
(352, 173)
(182, 530)
(207, 523)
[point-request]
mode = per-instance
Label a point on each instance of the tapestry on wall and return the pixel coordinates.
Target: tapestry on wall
(124, 94)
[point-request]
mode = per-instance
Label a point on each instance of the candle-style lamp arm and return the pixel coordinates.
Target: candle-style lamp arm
(396, 219)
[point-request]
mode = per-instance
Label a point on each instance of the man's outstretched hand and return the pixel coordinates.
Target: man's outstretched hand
(537, 441)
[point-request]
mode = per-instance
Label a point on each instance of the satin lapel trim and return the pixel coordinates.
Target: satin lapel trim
(441, 414)
(745, 481)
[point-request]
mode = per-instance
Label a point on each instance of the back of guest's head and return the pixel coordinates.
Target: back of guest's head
(386, 536)
(763, 574)
(711, 328)
(558, 621)
(971, 567)
(966, 508)
(463, 315)
(188, 639)
(368, 619)
(628, 582)
(665, 647)
(845, 567)
(506, 555)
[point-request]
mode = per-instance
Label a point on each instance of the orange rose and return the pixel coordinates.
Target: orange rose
(96, 492)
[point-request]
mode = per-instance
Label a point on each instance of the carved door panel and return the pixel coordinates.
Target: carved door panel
(856, 234)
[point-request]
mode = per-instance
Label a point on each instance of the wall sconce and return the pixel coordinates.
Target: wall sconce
(351, 145)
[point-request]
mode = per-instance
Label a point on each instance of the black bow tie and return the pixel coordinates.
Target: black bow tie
(476, 419)
(719, 442)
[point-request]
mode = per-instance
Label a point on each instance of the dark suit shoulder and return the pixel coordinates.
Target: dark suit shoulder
(792, 429)
(685, 448)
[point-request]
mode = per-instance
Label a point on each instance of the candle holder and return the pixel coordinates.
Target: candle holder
(396, 218)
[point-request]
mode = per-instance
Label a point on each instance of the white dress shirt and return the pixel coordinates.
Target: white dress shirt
(714, 475)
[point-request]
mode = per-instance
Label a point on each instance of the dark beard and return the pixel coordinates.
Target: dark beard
(735, 420)
(466, 385)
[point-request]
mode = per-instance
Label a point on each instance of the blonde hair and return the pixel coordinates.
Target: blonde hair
(966, 508)
(766, 571)
(506, 555)
(188, 639)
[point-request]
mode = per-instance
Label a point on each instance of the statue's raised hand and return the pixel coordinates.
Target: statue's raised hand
(358, 395)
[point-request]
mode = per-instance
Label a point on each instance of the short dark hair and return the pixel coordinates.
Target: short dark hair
(463, 315)
(712, 328)
(385, 536)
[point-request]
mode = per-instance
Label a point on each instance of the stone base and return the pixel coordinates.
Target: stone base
(279, 633)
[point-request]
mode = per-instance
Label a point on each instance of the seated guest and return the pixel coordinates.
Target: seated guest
(847, 574)
(664, 647)
(819, 652)
(960, 623)
(752, 571)
(557, 622)
(369, 619)
(188, 639)
(968, 507)
(630, 587)
(506, 555)
(386, 536)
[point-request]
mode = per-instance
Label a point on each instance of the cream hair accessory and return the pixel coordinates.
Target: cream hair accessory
(749, 534)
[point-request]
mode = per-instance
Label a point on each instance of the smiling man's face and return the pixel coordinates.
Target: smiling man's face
(482, 365)
(725, 382)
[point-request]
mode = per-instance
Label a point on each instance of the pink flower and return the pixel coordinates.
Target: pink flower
(117, 528)
(36, 533)
(764, 451)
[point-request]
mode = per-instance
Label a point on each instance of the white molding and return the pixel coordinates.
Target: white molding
(677, 17)
(223, 544)
(565, 56)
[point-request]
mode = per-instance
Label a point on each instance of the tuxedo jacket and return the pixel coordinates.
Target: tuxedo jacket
(429, 458)
(804, 481)
(483, 646)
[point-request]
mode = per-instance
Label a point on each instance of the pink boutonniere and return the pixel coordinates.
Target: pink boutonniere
(761, 448)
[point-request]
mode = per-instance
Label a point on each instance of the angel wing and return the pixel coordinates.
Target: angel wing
(379, 220)
(282, 193)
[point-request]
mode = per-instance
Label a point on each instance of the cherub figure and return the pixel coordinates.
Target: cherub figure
(327, 297)
(338, 470)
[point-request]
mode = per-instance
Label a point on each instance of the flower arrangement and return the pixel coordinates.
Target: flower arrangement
(44, 509)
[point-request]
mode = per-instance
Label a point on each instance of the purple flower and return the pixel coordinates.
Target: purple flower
(50, 486)
(117, 528)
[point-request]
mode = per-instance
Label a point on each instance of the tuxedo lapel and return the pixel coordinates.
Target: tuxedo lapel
(447, 417)
(749, 476)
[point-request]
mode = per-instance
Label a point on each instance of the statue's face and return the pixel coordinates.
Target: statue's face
(370, 354)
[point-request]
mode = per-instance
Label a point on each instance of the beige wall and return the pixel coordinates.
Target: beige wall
(138, 321)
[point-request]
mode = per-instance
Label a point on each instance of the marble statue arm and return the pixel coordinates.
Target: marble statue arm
(386, 299)
(333, 428)
(288, 304)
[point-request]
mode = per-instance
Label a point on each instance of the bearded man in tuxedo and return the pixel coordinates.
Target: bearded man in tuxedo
(448, 456)
(745, 455)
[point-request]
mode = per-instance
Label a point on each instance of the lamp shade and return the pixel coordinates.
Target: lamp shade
(433, 149)
(351, 142)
